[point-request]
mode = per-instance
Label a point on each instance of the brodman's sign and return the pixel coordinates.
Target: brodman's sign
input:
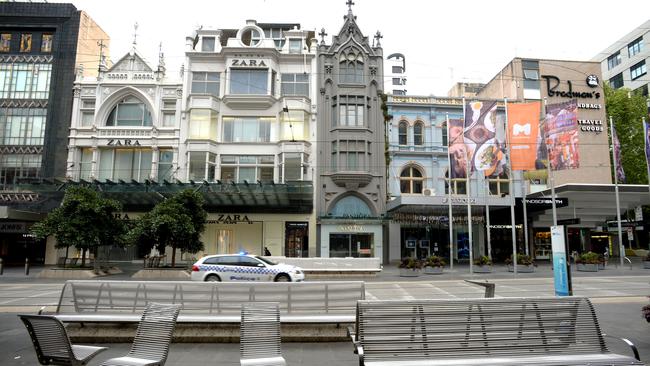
(553, 85)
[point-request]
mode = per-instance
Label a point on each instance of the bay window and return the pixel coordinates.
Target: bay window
(247, 129)
(203, 124)
(249, 168)
(249, 81)
(295, 126)
(125, 164)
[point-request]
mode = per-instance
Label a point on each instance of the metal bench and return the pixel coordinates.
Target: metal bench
(52, 343)
(260, 343)
(152, 339)
(493, 331)
(208, 302)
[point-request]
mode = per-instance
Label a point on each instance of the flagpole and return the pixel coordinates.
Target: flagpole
(469, 205)
(487, 216)
(451, 215)
(512, 195)
(551, 176)
(524, 189)
(621, 248)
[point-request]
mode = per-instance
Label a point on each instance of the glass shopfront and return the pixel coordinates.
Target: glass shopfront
(351, 245)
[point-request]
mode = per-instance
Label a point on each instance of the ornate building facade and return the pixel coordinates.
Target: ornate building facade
(351, 184)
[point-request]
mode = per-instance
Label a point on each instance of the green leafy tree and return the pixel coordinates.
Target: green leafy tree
(85, 220)
(176, 222)
(627, 109)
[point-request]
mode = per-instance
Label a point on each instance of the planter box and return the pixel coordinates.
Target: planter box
(407, 272)
(588, 267)
(433, 270)
(602, 266)
(482, 269)
(646, 264)
(521, 268)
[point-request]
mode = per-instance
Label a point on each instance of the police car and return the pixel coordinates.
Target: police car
(244, 267)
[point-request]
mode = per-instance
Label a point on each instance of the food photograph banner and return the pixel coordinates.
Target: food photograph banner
(561, 135)
(457, 149)
(523, 131)
(485, 137)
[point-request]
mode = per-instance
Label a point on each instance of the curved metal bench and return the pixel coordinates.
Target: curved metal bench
(260, 343)
(492, 331)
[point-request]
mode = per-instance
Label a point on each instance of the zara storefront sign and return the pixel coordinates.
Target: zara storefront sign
(230, 219)
(553, 82)
(126, 142)
(248, 63)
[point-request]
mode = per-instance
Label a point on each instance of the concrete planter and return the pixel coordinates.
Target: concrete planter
(602, 265)
(162, 273)
(529, 268)
(483, 269)
(646, 264)
(408, 272)
(433, 270)
(588, 267)
(69, 273)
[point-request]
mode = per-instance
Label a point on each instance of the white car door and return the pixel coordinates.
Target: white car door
(229, 268)
(252, 269)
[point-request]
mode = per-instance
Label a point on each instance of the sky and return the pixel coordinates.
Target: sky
(443, 42)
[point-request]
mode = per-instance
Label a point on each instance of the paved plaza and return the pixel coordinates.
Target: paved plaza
(617, 293)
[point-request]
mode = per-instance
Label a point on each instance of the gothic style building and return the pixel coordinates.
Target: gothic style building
(351, 183)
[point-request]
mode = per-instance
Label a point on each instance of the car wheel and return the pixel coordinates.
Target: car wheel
(212, 278)
(282, 278)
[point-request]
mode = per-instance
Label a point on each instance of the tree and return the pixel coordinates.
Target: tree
(627, 109)
(84, 220)
(176, 222)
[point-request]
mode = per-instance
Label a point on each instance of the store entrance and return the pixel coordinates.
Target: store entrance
(351, 245)
(296, 242)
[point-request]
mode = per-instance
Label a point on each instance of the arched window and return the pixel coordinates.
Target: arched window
(445, 138)
(411, 180)
(351, 72)
(351, 206)
(417, 134)
(402, 133)
(129, 112)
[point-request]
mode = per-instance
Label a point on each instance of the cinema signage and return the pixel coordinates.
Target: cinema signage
(553, 82)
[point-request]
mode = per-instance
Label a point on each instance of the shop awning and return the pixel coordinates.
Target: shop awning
(593, 204)
(290, 197)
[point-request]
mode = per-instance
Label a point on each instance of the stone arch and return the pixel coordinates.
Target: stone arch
(113, 99)
(350, 198)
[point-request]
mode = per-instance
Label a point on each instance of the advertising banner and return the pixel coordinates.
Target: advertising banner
(523, 130)
(560, 276)
(646, 130)
(620, 172)
(457, 149)
(484, 137)
(561, 135)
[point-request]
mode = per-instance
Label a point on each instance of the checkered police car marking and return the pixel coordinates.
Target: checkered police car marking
(239, 269)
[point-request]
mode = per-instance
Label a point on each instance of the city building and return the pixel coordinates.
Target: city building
(40, 46)
(625, 62)
(418, 185)
(586, 190)
(395, 74)
(351, 169)
(248, 132)
(464, 90)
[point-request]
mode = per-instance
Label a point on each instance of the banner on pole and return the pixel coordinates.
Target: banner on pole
(560, 276)
(484, 137)
(646, 134)
(620, 172)
(457, 149)
(561, 135)
(523, 130)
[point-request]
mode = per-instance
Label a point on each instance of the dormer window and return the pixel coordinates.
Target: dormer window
(251, 37)
(129, 112)
(295, 45)
(208, 44)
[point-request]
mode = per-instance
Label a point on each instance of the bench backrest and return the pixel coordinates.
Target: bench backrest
(210, 297)
(260, 331)
(154, 334)
(332, 264)
(475, 328)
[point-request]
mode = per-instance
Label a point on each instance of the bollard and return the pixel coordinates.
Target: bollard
(26, 266)
(2, 267)
(489, 287)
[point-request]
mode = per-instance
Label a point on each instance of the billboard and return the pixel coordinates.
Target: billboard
(561, 135)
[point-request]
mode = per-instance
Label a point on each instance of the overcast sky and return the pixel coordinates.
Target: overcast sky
(443, 41)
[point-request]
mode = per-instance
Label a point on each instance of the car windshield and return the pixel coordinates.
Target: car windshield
(266, 260)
